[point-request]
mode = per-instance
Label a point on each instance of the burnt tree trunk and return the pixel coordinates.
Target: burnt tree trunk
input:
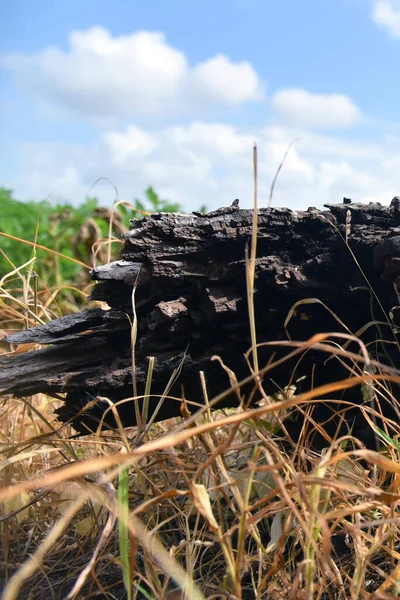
(191, 304)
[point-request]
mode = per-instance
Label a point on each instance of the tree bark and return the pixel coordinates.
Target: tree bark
(190, 300)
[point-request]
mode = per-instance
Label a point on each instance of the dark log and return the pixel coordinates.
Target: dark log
(190, 301)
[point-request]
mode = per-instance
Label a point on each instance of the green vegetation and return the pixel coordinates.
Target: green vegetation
(68, 230)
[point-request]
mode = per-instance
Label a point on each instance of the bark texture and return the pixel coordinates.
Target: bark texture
(191, 304)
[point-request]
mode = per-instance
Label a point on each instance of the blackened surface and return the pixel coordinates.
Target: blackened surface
(191, 304)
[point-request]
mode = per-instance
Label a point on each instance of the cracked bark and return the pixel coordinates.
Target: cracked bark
(190, 300)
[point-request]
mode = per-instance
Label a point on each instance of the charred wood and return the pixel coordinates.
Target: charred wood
(188, 272)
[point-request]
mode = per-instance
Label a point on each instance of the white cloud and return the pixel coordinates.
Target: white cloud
(215, 140)
(211, 163)
(130, 75)
(386, 13)
(392, 163)
(228, 82)
(325, 111)
(207, 163)
(130, 144)
(341, 175)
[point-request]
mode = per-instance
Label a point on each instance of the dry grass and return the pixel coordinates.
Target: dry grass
(220, 505)
(224, 508)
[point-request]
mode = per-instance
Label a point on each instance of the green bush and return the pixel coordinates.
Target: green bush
(63, 228)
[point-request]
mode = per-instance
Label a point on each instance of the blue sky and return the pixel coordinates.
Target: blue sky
(173, 94)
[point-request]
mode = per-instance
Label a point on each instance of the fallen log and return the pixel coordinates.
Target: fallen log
(189, 280)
